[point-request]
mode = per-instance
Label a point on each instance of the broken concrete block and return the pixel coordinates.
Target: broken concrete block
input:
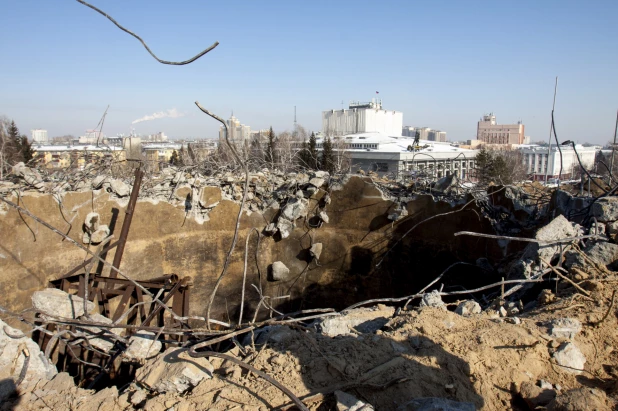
(270, 229)
(432, 299)
(142, 345)
(324, 217)
(174, 371)
(316, 250)
(564, 328)
(285, 227)
(436, 404)
(138, 397)
(99, 235)
(605, 209)
(362, 320)
(12, 356)
(316, 182)
(280, 271)
(59, 303)
(320, 174)
(295, 208)
(468, 308)
(30, 176)
(104, 341)
(183, 192)
(570, 358)
(536, 396)
(348, 402)
(602, 252)
(98, 181)
(92, 222)
(120, 188)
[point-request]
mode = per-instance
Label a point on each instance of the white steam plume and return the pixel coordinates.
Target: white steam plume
(171, 113)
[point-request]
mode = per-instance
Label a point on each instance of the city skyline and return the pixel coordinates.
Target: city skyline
(456, 63)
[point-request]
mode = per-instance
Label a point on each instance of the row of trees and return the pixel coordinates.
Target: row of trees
(14, 146)
(500, 167)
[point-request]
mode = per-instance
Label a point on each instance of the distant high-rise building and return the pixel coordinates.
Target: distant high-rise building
(238, 132)
(362, 118)
(489, 132)
(425, 133)
(39, 136)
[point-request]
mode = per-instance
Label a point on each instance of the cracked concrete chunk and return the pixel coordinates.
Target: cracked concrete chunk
(285, 227)
(92, 222)
(468, 308)
(59, 303)
(270, 229)
(564, 328)
(295, 208)
(432, 299)
(605, 209)
(210, 196)
(348, 402)
(174, 371)
(120, 188)
(280, 271)
(570, 358)
(104, 341)
(316, 250)
(324, 217)
(142, 345)
(363, 320)
(99, 235)
(317, 182)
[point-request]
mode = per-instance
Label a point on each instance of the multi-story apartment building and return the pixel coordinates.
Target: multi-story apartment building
(489, 132)
(362, 118)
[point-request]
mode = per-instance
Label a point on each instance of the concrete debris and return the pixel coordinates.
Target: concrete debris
(546, 297)
(57, 303)
(270, 229)
(29, 175)
(564, 328)
(210, 196)
(324, 217)
(580, 399)
(285, 227)
(347, 402)
(105, 337)
(280, 272)
(536, 396)
(605, 209)
(14, 347)
(436, 404)
(92, 222)
(570, 358)
(138, 397)
(98, 181)
(398, 213)
(361, 320)
(174, 371)
(468, 308)
(602, 252)
(432, 299)
(295, 208)
(142, 345)
(99, 235)
(316, 250)
(317, 182)
(446, 184)
(120, 188)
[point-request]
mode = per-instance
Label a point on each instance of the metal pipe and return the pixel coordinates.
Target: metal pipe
(611, 166)
(126, 224)
(551, 127)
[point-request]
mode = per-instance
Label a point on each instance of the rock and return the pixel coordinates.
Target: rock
(12, 358)
(316, 250)
(183, 193)
(363, 320)
(536, 396)
(270, 229)
(320, 174)
(120, 188)
(324, 217)
(138, 397)
(347, 402)
(285, 227)
(59, 303)
(142, 345)
(570, 358)
(432, 299)
(30, 176)
(317, 182)
(546, 297)
(280, 272)
(446, 183)
(91, 223)
(99, 235)
(580, 399)
(557, 229)
(468, 308)
(436, 404)
(605, 209)
(603, 253)
(105, 341)
(564, 328)
(295, 208)
(174, 371)
(98, 181)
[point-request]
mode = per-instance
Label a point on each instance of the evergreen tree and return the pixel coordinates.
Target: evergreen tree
(327, 162)
(312, 151)
(271, 150)
(27, 153)
(499, 170)
(15, 148)
(483, 166)
(303, 157)
(174, 160)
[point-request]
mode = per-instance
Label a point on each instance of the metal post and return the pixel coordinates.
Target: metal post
(551, 127)
(126, 224)
(611, 167)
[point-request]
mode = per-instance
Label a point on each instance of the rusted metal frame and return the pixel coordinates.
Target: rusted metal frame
(126, 224)
(88, 261)
(142, 309)
(165, 299)
(126, 296)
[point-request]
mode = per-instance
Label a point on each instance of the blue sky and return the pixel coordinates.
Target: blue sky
(442, 63)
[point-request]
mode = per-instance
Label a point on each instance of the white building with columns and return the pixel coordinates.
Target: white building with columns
(538, 160)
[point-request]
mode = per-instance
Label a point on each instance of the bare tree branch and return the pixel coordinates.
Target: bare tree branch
(173, 63)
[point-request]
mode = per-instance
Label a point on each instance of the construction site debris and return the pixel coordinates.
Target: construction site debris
(280, 272)
(432, 299)
(436, 404)
(536, 395)
(120, 188)
(359, 320)
(570, 358)
(57, 303)
(565, 328)
(348, 402)
(316, 250)
(468, 308)
(142, 345)
(174, 371)
(580, 399)
(605, 209)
